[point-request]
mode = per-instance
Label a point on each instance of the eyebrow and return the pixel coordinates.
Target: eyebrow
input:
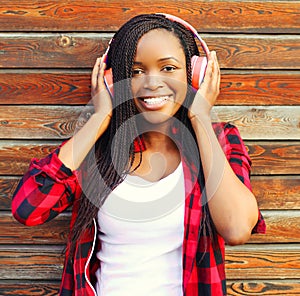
(160, 60)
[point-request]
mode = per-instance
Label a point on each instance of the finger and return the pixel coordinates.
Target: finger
(95, 72)
(101, 72)
(217, 70)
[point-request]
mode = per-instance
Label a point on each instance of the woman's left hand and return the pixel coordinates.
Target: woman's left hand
(208, 92)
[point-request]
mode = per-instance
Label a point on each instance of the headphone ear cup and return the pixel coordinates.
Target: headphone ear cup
(199, 65)
(108, 81)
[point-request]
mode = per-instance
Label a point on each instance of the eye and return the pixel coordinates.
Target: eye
(169, 68)
(137, 71)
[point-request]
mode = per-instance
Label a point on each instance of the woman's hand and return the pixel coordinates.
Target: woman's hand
(100, 96)
(208, 92)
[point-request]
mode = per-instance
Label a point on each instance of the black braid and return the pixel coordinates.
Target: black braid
(110, 162)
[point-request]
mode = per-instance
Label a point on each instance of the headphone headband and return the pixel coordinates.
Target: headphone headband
(189, 27)
(198, 63)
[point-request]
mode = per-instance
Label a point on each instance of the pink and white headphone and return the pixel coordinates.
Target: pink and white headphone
(198, 63)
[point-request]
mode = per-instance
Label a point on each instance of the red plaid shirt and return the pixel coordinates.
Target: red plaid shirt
(48, 188)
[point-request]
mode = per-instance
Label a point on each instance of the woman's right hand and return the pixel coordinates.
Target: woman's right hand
(100, 96)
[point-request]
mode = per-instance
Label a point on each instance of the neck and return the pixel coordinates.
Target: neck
(157, 136)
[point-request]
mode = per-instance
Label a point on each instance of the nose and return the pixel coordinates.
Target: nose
(153, 82)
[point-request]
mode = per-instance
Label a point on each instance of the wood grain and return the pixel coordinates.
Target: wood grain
(234, 288)
(272, 192)
(216, 16)
(25, 263)
(59, 122)
(257, 122)
(257, 288)
(54, 232)
(66, 88)
(277, 192)
(77, 50)
(269, 158)
(15, 156)
(29, 288)
(282, 227)
(263, 262)
(244, 262)
(58, 88)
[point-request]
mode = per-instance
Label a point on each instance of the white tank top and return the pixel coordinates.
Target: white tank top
(141, 228)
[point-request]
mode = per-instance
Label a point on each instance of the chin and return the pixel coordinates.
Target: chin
(155, 118)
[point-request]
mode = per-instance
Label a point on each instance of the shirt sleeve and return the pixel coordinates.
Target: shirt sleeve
(239, 160)
(46, 189)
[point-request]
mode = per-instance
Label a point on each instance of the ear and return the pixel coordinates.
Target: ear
(199, 65)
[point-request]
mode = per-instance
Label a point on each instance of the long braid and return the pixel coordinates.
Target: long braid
(106, 165)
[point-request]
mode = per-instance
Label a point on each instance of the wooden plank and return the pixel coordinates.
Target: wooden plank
(216, 16)
(54, 232)
(272, 192)
(58, 88)
(263, 262)
(234, 288)
(15, 156)
(257, 122)
(39, 121)
(66, 88)
(277, 192)
(77, 50)
(8, 186)
(26, 263)
(259, 89)
(269, 158)
(260, 288)
(59, 122)
(282, 227)
(247, 262)
(29, 288)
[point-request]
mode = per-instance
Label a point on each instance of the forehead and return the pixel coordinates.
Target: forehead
(159, 41)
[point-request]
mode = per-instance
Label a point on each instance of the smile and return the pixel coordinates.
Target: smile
(155, 101)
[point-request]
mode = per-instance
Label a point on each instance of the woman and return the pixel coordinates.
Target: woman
(156, 188)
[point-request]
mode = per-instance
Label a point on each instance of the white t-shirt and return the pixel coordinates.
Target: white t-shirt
(141, 228)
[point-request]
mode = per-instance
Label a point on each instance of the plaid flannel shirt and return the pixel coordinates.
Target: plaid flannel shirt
(49, 187)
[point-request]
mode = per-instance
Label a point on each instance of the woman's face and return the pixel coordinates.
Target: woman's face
(159, 81)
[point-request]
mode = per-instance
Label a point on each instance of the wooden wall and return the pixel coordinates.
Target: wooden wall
(47, 49)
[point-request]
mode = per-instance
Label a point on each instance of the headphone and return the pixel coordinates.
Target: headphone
(198, 64)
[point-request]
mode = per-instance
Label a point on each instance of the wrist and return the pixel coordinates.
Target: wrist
(200, 117)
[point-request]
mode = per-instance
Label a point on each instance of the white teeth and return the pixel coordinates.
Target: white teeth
(156, 100)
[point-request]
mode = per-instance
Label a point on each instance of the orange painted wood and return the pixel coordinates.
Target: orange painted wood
(263, 262)
(277, 192)
(272, 192)
(263, 287)
(212, 16)
(269, 158)
(282, 227)
(234, 288)
(61, 88)
(78, 50)
(243, 262)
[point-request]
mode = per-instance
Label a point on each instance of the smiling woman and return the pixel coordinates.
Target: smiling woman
(156, 187)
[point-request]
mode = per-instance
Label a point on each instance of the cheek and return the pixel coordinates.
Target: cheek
(135, 86)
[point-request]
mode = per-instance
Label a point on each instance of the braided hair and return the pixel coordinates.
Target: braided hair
(107, 165)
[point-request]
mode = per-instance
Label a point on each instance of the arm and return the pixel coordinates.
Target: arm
(232, 205)
(76, 149)
(51, 184)
(46, 189)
